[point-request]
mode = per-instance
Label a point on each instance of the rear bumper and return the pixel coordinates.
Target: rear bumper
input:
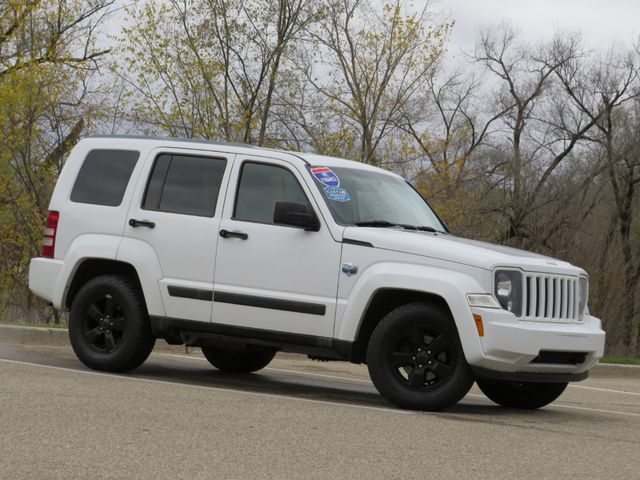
(510, 346)
(44, 276)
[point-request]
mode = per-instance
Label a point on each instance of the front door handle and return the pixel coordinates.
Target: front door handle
(141, 223)
(235, 234)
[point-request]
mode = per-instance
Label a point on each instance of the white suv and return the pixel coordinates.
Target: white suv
(246, 251)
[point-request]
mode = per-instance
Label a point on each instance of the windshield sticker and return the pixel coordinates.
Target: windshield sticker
(325, 176)
(337, 194)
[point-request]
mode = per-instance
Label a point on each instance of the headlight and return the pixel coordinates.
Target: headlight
(508, 290)
(583, 295)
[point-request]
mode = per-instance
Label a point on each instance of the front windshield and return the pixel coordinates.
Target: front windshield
(357, 196)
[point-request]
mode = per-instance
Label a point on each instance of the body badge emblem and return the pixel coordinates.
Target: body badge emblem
(349, 269)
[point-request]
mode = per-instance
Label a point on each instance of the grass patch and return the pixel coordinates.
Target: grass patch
(620, 360)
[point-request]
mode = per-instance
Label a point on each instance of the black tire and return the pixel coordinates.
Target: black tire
(523, 395)
(244, 359)
(109, 326)
(415, 358)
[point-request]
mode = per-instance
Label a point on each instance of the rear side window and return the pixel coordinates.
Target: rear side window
(184, 184)
(261, 187)
(104, 176)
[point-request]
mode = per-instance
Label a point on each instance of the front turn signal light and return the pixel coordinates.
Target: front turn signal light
(479, 326)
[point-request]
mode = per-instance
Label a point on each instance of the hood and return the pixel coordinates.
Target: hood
(460, 250)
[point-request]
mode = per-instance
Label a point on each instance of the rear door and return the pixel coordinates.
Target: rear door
(177, 212)
(268, 276)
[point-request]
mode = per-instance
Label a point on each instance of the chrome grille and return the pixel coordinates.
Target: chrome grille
(550, 298)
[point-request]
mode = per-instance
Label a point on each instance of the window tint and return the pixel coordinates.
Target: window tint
(104, 176)
(184, 184)
(261, 186)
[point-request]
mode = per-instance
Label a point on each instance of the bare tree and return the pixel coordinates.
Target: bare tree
(607, 90)
(366, 66)
(47, 55)
(447, 126)
(540, 128)
(211, 68)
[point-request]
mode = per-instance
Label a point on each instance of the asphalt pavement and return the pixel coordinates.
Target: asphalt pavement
(177, 417)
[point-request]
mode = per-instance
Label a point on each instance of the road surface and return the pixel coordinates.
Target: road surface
(177, 417)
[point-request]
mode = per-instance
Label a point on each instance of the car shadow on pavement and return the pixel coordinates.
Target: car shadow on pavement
(300, 386)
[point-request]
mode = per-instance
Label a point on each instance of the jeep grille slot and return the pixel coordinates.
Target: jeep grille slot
(550, 298)
(560, 358)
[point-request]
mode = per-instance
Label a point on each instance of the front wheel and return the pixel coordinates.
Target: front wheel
(415, 358)
(243, 359)
(524, 395)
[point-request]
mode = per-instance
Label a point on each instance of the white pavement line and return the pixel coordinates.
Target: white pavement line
(217, 389)
(323, 375)
(599, 410)
(605, 390)
(595, 410)
(295, 372)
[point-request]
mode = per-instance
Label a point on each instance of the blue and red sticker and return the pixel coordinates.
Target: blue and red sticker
(331, 182)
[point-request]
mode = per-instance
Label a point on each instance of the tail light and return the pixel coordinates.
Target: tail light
(50, 230)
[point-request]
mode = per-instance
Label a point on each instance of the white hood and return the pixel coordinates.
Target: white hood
(460, 250)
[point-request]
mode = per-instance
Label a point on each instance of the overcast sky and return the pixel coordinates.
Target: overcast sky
(601, 22)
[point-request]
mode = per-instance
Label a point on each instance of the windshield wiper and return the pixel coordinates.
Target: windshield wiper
(386, 224)
(376, 223)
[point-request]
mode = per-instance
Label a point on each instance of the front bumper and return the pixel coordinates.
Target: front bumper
(509, 345)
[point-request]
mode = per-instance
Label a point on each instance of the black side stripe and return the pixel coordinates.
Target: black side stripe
(270, 303)
(194, 293)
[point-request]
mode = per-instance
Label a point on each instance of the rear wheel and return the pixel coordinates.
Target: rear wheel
(244, 359)
(525, 395)
(415, 358)
(108, 325)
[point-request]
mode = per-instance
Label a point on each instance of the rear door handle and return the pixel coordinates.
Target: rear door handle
(141, 223)
(235, 234)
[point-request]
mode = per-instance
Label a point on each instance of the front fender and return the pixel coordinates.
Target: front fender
(452, 286)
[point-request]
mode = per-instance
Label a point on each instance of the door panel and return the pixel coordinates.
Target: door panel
(183, 201)
(277, 277)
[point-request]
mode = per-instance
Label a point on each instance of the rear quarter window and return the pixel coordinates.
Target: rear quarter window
(184, 184)
(104, 176)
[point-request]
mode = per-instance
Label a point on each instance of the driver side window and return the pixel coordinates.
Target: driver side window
(260, 187)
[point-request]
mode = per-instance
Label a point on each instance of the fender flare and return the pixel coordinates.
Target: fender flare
(450, 285)
(143, 257)
(81, 248)
(108, 247)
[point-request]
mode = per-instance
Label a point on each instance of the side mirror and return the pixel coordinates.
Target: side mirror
(295, 215)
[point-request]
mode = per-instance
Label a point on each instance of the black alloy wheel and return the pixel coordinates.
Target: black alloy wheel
(422, 358)
(109, 325)
(415, 358)
(104, 325)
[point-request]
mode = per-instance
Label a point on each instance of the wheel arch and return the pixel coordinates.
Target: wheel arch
(89, 268)
(384, 301)
(385, 286)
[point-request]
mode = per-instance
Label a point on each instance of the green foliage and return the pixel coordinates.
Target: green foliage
(620, 360)
(42, 82)
(211, 69)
